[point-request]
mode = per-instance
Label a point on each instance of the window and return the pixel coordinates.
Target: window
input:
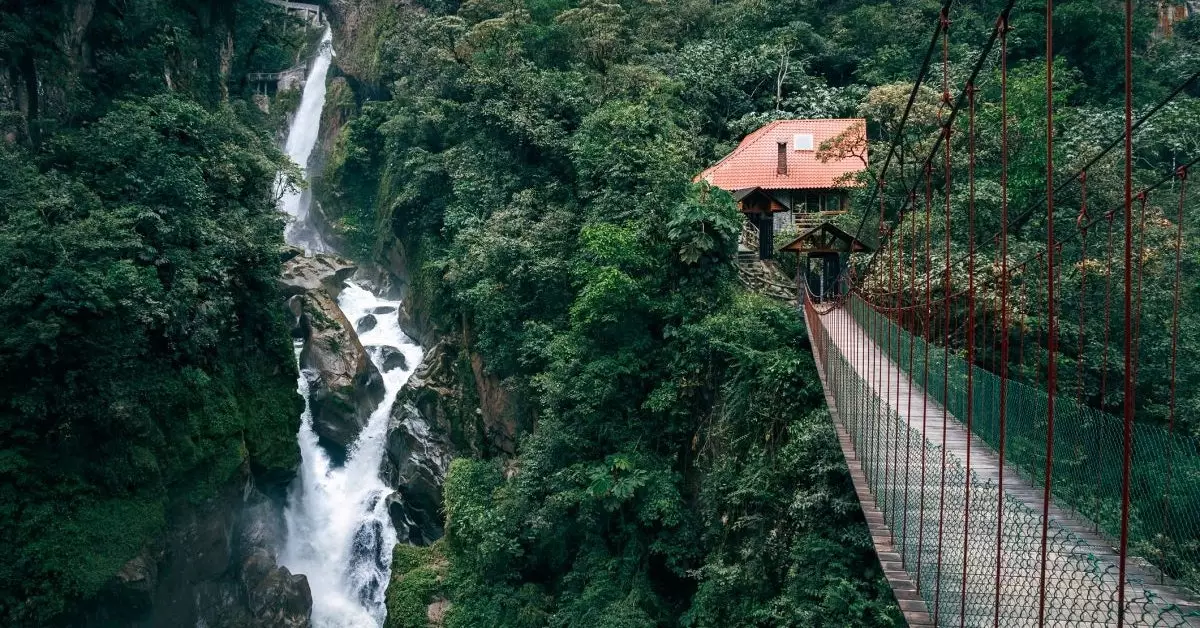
(803, 141)
(781, 168)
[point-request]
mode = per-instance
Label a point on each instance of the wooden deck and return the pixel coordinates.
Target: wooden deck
(1081, 580)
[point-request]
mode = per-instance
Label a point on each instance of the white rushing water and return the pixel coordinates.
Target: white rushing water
(339, 533)
(302, 137)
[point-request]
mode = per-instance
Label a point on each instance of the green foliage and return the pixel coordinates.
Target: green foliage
(534, 162)
(141, 338)
(417, 574)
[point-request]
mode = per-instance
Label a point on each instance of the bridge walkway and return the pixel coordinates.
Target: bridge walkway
(892, 433)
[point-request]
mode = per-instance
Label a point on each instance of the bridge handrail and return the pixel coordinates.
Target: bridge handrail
(1165, 500)
(959, 579)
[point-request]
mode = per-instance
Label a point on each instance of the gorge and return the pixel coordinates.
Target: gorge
(339, 513)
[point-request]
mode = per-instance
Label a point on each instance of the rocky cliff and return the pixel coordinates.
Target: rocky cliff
(216, 566)
(346, 387)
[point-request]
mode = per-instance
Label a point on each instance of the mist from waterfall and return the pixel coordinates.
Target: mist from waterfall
(339, 532)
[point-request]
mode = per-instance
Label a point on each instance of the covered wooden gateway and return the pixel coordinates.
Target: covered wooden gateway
(826, 243)
(760, 206)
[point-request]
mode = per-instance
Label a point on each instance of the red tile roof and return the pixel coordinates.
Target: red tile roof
(755, 162)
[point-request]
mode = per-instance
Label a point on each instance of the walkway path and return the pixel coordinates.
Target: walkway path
(892, 432)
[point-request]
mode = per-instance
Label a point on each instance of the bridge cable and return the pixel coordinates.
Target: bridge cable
(1080, 224)
(912, 98)
(1052, 329)
(1077, 176)
(925, 397)
(1004, 278)
(1171, 404)
(958, 102)
(1127, 461)
(971, 91)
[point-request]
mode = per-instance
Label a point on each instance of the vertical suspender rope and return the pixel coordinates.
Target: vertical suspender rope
(946, 296)
(1142, 197)
(1051, 329)
(1127, 461)
(899, 325)
(1003, 307)
(1108, 288)
(924, 404)
(1171, 404)
(887, 444)
(970, 351)
(1081, 223)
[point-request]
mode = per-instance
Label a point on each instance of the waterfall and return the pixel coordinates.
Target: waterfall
(302, 137)
(339, 532)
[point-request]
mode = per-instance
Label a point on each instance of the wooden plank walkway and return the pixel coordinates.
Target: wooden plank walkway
(911, 604)
(1081, 564)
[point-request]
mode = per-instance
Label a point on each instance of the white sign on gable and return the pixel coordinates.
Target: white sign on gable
(803, 141)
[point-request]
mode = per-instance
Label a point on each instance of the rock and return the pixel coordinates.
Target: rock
(385, 309)
(365, 324)
(345, 386)
(390, 357)
(215, 566)
(303, 275)
(136, 582)
(275, 596)
(436, 613)
(415, 465)
(497, 408)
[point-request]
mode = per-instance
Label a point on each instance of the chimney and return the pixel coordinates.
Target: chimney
(783, 151)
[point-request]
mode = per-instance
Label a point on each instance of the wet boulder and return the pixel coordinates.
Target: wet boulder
(344, 385)
(390, 358)
(327, 273)
(415, 466)
(275, 595)
(365, 324)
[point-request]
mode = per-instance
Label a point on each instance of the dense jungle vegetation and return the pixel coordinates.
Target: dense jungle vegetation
(143, 359)
(534, 158)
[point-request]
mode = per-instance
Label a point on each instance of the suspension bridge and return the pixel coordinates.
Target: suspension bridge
(1016, 465)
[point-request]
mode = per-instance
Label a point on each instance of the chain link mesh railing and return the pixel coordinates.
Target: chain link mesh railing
(946, 522)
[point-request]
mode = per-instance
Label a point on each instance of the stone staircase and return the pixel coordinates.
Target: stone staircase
(764, 277)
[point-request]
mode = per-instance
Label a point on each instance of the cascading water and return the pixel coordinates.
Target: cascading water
(338, 530)
(302, 137)
(339, 533)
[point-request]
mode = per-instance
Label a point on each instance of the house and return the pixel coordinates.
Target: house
(779, 181)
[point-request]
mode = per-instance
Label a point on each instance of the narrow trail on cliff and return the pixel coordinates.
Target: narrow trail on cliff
(339, 532)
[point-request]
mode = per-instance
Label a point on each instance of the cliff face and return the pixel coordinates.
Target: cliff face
(453, 391)
(217, 566)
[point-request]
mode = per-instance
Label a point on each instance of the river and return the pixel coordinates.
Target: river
(339, 533)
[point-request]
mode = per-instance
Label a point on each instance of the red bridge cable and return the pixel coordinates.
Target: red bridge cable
(1004, 278)
(1127, 462)
(1080, 222)
(945, 361)
(1179, 89)
(970, 350)
(1108, 288)
(1182, 174)
(912, 98)
(1141, 272)
(1052, 329)
(958, 102)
